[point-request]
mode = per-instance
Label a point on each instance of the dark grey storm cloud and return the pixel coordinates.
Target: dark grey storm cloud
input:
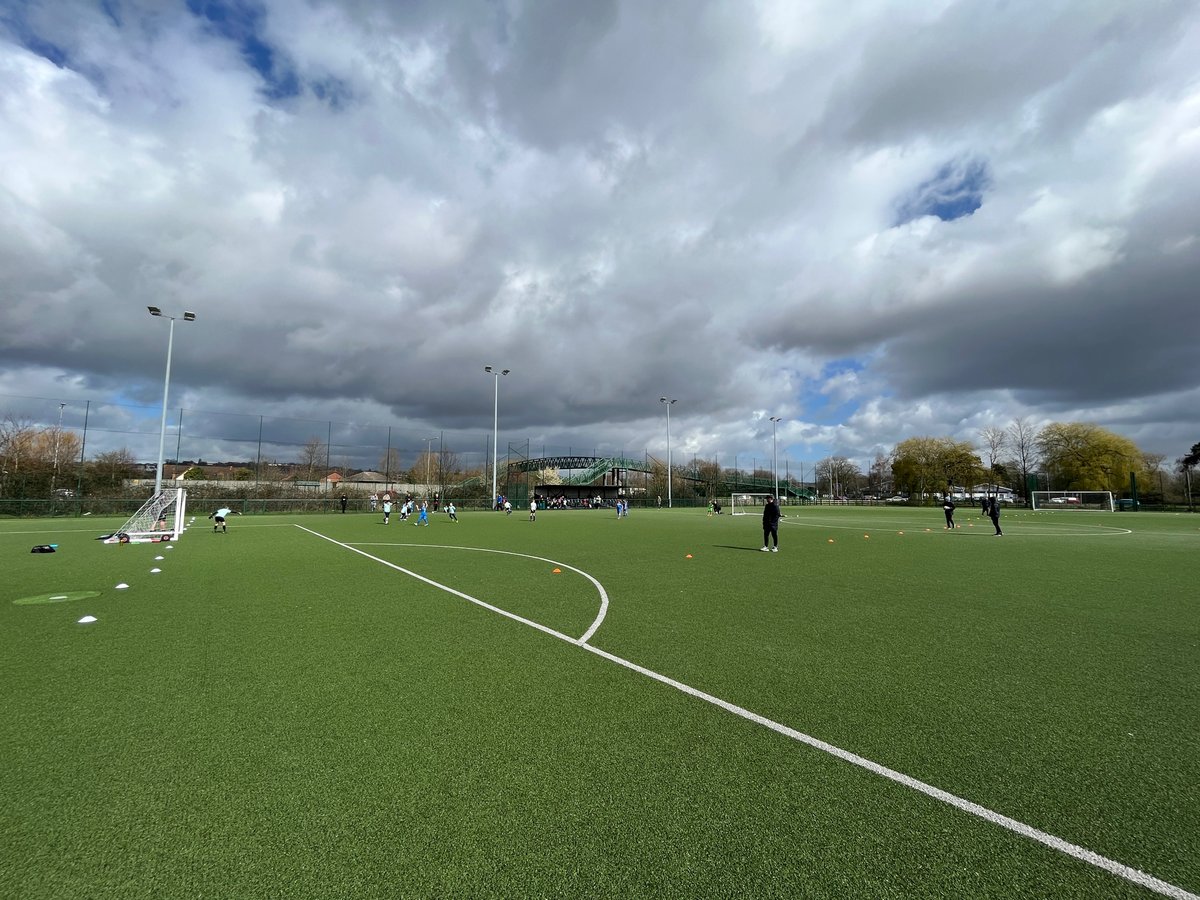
(874, 219)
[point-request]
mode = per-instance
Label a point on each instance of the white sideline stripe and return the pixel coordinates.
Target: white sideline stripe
(599, 587)
(1055, 843)
(884, 527)
(1137, 876)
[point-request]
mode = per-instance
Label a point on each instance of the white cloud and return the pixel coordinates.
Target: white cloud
(617, 202)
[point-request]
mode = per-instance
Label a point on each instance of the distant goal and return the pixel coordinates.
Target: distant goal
(1093, 500)
(748, 504)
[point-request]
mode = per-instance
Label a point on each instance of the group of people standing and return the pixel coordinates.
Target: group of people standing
(410, 506)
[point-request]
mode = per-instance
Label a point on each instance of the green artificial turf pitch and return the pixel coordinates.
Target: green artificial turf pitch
(275, 714)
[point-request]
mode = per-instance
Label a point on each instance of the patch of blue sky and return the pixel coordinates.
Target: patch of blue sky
(14, 19)
(831, 398)
(335, 92)
(111, 10)
(137, 403)
(957, 189)
(240, 21)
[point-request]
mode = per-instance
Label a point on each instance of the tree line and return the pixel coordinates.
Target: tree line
(38, 461)
(1057, 456)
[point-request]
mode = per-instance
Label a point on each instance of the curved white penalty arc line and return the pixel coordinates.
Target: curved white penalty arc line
(587, 635)
(1137, 876)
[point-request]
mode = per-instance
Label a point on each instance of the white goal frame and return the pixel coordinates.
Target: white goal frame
(159, 519)
(1088, 500)
(746, 503)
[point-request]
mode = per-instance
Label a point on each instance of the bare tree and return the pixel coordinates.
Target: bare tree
(110, 469)
(1023, 439)
(389, 463)
(842, 476)
(312, 456)
(880, 475)
(16, 442)
(449, 467)
(1154, 465)
(995, 441)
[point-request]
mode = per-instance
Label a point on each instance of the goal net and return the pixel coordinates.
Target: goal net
(748, 504)
(1095, 500)
(159, 519)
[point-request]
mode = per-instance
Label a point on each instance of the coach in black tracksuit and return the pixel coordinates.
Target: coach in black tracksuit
(771, 526)
(994, 514)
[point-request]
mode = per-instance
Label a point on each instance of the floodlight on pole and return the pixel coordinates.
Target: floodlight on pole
(775, 420)
(495, 422)
(57, 438)
(162, 433)
(669, 403)
(428, 456)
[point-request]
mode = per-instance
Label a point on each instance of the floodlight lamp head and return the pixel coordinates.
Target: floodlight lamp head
(487, 369)
(189, 317)
(505, 371)
(154, 310)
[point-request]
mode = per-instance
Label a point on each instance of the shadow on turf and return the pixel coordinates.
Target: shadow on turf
(731, 547)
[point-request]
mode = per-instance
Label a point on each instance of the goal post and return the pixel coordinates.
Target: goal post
(159, 519)
(744, 504)
(1092, 500)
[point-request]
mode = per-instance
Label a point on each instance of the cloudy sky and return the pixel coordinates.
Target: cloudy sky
(873, 219)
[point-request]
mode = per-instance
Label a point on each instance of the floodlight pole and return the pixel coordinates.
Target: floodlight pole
(495, 424)
(428, 453)
(57, 437)
(775, 420)
(669, 403)
(162, 432)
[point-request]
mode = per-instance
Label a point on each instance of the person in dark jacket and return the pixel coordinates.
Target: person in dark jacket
(770, 526)
(948, 509)
(994, 515)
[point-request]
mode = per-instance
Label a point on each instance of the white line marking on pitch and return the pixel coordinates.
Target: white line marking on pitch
(476, 600)
(1137, 876)
(599, 587)
(884, 527)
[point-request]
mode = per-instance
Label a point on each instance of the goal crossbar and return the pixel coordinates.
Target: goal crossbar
(747, 504)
